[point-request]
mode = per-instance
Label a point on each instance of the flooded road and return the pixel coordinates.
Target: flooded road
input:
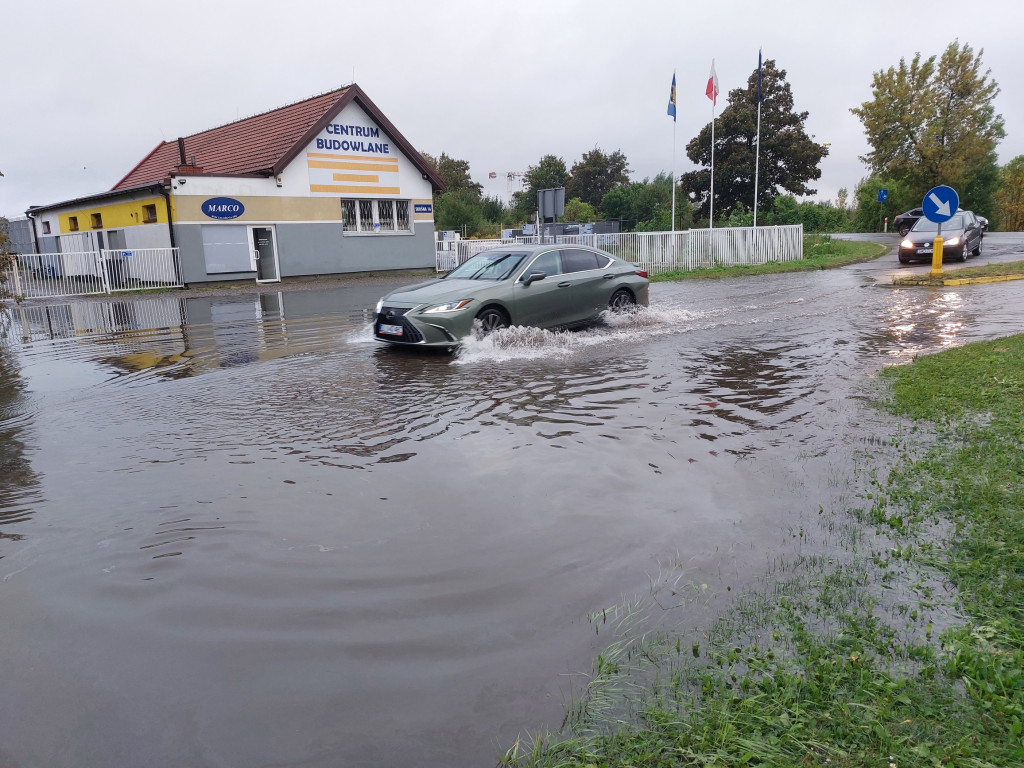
(236, 531)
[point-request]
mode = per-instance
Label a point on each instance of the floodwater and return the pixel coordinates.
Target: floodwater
(236, 531)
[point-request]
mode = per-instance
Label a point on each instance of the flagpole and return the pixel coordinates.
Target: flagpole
(712, 93)
(711, 217)
(673, 158)
(757, 156)
(673, 176)
(757, 161)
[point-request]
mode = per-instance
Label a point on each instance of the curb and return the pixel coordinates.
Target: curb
(956, 280)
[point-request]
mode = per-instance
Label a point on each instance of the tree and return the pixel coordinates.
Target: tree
(493, 209)
(932, 122)
(646, 205)
(454, 173)
(577, 210)
(789, 157)
(547, 174)
(1009, 199)
(869, 214)
(593, 176)
(459, 210)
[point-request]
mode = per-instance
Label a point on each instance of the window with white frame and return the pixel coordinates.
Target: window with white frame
(376, 216)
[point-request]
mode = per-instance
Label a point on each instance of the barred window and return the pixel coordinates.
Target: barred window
(366, 218)
(402, 214)
(376, 216)
(348, 215)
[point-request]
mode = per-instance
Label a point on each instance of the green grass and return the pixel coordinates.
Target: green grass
(820, 252)
(903, 646)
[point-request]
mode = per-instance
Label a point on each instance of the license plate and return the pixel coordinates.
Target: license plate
(390, 330)
(924, 250)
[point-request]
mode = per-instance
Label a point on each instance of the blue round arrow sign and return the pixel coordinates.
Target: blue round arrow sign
(940, 204)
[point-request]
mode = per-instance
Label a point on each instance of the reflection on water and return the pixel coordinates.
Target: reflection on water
(920, 321)
(177, 338)
(241, 532)
(19, 484)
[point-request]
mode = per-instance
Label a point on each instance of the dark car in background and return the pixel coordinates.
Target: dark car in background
(544, 286)
(906, 220)
(962, 236)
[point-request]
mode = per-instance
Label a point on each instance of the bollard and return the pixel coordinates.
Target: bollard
(937, 256)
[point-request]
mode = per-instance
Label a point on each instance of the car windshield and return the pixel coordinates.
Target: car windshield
(923, 225)
(489, 265)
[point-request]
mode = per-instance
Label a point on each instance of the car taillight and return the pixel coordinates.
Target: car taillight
(641, 272)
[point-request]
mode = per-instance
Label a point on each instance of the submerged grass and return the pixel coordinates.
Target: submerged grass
(820, 252)
(903, 647)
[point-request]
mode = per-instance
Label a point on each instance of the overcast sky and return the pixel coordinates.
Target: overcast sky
(90, 88)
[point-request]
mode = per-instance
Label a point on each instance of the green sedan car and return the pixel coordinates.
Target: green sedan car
(546, 286)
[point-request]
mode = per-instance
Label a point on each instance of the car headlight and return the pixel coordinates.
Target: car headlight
(907, 244)
(451, 306)
(379, 307)
(953, 241)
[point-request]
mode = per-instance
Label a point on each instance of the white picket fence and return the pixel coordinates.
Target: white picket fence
(88, 273)
(659, 252)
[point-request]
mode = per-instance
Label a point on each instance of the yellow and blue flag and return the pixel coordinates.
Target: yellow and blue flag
(672, 99)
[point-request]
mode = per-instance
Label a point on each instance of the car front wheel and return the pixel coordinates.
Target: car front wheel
(977, 250)
(491, 319)
(903, 230)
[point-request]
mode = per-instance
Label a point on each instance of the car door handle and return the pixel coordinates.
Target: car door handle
(608, 277)
(564, 285)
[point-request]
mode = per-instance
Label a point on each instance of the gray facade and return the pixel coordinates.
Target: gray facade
(310, 248)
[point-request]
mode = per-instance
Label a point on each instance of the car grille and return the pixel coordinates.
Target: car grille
(410, 333)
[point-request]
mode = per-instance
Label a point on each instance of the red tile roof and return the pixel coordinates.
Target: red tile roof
(264, 144)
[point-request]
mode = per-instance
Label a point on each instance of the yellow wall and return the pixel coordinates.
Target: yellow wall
(114, 215)
(189, 208)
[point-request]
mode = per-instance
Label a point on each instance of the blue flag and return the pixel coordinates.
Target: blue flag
(760, 96)
(672, 99)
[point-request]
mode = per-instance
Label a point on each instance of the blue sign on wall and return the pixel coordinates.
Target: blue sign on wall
(940, 204)
(424, 208)
(223, 208)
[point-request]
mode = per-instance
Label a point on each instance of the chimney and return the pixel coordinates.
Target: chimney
(184, 167)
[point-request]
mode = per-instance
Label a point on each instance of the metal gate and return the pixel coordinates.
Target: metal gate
(91, 273)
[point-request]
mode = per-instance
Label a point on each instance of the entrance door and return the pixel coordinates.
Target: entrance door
(264, 246)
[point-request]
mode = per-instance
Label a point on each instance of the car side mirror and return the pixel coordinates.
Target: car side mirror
(534, 276)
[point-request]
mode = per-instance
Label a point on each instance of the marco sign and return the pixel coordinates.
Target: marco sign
(223, 208)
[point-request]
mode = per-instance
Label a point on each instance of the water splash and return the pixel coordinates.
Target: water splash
(525, 343)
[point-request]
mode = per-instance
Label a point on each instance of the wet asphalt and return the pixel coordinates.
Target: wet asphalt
(235, 530)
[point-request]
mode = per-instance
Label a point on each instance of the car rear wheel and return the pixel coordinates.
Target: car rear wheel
(621, 301)
(977, 250)
(491, 319)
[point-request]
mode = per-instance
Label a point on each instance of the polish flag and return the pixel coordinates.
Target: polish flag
(712, 89)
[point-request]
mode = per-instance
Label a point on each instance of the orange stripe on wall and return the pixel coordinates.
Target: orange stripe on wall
(343, 188)
(352, 166)
(367, 177)
(329, 156)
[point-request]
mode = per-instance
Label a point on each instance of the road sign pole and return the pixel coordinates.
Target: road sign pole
(940, 204)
